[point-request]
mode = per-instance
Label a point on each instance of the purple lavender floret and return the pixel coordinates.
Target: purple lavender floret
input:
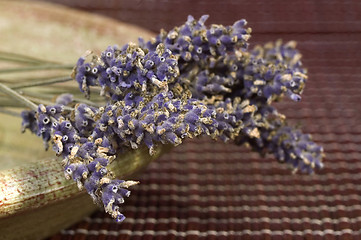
(84, 119)
(64, 99)
(113, 195)
(41, 122)
(65, 137)
(86, 75)
(29, 121)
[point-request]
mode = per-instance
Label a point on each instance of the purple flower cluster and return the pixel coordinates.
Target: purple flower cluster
(75, 135)
(272, 71)
(194, 43)
(128, 72)
(188, 82)
(287, 144)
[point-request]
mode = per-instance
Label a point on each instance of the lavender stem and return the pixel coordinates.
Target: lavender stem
(16, 96)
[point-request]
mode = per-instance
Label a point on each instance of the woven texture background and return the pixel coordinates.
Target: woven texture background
(210, 190)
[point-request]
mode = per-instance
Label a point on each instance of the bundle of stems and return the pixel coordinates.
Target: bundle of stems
(28, 81)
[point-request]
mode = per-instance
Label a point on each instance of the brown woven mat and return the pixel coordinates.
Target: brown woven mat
(210, 190)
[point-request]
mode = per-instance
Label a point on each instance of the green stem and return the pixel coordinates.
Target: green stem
(46, 102)
(7, 59)
(16, 96)
(38, 96)
(6, 102)
(22, 57)
(41, 82)
(35, 68)
(86, 101)
(9, 112)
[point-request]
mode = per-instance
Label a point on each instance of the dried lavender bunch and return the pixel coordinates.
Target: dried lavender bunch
(188, 82)
(223, 69)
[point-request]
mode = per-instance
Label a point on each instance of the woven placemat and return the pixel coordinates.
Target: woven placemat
(210, 190)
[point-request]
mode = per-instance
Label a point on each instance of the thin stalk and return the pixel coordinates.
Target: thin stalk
(39, 94)
(24, 61)
(5, 102)
(41, 82)
(35, 68)
(25, 58)
(39, 100)
(9, 112)
(5, 81)
(46, 102)
(86, 101)
(32, 78)
(16, 96)
(50, 95)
